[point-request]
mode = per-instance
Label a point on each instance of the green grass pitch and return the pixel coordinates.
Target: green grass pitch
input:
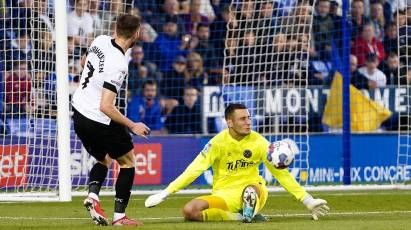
(390, 209)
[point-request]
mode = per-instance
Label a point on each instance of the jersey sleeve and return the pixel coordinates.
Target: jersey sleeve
(286, 180)
(201, 163)
(113, 79)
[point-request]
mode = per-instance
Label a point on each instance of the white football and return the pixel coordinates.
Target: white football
(280, 154)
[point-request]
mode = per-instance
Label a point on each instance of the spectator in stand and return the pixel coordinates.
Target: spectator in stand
(334, 8)
(94, 7)
(116, 8)
(391, 38)
(206, 7)
(170, 8)
(20, 49)
(390, 68)
(194, 18)
(358, 80)
(72, 50)
(169, 44)
(42, 38)
(172, 83)
(319, 72)
(246, 67)
(323, 29)
(17, 88)
(278, 67)
(186, 118)
(358, 18)
(147, 108)
(266, 22)
(395, 5)
(230, 60)
(366, 44)
(301, 16)
(148, 8)
(246, 16)
(196, 73)
(80, 24)
(376, 77)
(18, 14)
(147, 32)
(377, 19)
(206, 49)
(218, 30)
(139, 70)
(400, 19)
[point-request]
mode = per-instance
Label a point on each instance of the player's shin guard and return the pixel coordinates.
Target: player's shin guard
(216, 214)
(123, 187)
(97, 176)
(251, 204)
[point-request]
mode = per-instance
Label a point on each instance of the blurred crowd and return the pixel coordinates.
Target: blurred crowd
(182, 47)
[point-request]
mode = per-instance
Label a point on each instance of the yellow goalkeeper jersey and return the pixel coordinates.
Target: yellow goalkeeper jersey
(235, 165)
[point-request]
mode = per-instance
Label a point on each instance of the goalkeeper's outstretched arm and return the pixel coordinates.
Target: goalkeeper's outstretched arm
(317, 207)
(201, 163)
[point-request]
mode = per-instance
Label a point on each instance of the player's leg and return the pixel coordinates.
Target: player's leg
(88, 130)
(92, 203)
(97, 176)
(124, 184)
(254, 198)
(208, 208)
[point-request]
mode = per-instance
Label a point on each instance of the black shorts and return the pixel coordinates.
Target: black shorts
(100, 139)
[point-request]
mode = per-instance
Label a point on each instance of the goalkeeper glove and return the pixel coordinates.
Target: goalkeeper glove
(317, 207)
(156, 199)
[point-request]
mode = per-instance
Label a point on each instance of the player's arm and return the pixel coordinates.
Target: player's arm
(317, 207)
(201, 163)
(108, 97)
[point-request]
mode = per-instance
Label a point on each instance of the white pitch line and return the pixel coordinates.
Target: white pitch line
(176, 217)
(286, 194)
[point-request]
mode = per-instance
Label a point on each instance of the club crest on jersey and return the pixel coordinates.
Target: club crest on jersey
(205, 149)
(247, 153)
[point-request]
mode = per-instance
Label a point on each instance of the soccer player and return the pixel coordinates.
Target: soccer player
(103, 130)
(234, 155)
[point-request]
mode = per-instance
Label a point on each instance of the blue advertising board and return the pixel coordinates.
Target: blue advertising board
(159, 160)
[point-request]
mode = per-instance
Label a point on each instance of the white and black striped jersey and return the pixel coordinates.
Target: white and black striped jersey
(106, 67)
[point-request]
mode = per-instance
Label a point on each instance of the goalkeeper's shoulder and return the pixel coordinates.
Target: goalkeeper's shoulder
(255, 136)
(219, 138)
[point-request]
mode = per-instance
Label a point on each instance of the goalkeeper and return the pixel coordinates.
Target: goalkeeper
(239, 192)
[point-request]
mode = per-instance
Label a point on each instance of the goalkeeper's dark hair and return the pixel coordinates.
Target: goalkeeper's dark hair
(127, 25)
(231, 108)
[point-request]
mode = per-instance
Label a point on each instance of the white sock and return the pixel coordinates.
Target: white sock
(94, 196)
(118, 216)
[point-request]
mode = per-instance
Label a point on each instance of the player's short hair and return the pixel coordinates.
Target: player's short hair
(231, 108)
(127, 25)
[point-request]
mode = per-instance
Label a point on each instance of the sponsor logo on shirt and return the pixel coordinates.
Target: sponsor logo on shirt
(241, 164)
(120, 79)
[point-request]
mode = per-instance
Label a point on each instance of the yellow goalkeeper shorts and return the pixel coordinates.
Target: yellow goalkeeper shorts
(232, 199)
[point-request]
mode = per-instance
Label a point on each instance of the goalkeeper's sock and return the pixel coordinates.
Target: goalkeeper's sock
(123, 187)
(97, 176)
(216, 214)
